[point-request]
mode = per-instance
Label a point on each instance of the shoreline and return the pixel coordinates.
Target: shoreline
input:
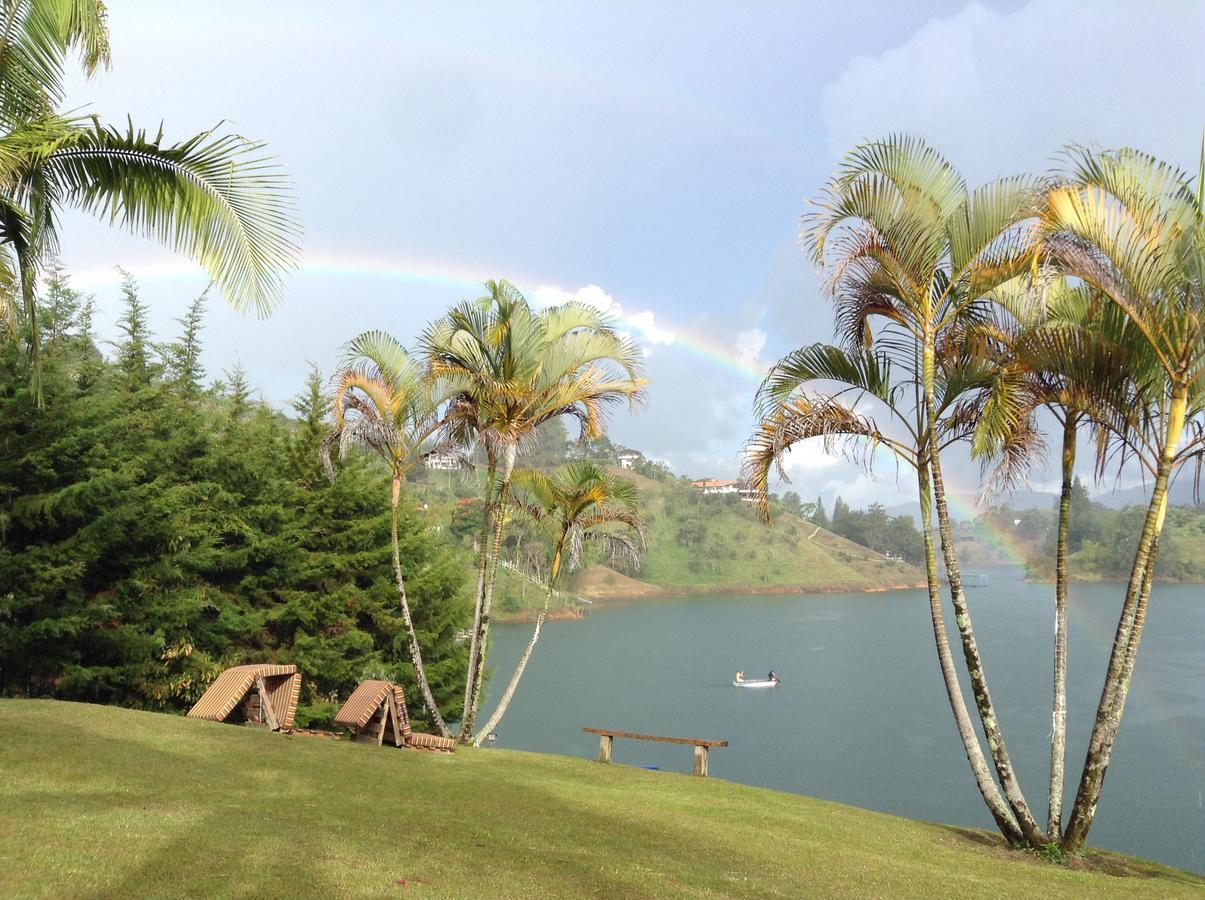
(622, 597)
(1112, 579)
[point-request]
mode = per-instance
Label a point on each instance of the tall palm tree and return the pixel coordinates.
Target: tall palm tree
(1131, 226)
(215, 197)
(504, 370)
(826, 393)
(584, 503)
(382, 404)
(910, 252)
(1057, 346)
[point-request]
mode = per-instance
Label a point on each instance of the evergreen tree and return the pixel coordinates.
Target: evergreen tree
(820, 517)
(841, 518)
(60, 305)
(237, 391)
(183, 356)
(134, 352)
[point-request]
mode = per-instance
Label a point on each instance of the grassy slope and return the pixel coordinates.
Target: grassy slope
(105, 802)
(740, 554)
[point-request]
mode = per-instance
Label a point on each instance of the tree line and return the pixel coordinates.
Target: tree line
(1100, 541)
(872, 527)
(157, 529)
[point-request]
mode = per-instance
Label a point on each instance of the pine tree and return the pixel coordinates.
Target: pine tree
(59, 306)
(820, 517)
(134, 352)
(183, 356)
(238, 391)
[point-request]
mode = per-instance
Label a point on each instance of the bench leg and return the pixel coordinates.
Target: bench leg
(701, 761)
(604, 748)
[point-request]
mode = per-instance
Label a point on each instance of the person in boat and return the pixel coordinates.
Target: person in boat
(740, 676)
(772, 676)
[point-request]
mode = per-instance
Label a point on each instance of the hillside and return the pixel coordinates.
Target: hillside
(716, 544)
(697, 544)
(107, 802)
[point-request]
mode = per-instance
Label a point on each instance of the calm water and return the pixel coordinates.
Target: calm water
(861, 716)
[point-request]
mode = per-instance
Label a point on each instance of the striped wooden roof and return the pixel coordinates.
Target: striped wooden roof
(366, 700)
(402, 715)
(430, 741)
(229, 688)
(363, 703)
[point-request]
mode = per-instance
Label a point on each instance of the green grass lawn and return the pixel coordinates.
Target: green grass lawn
(106, 802)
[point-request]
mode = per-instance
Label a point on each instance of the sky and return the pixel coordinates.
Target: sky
(649, 158)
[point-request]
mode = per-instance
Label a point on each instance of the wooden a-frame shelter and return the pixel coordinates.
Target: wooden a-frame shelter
(260, 694)
(376, 710)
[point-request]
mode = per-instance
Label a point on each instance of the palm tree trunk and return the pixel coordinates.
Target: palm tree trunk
(509, 693)
(1032, 832)
(1005, 820)
(1125, 641)
(416, 654)
(1058, 714)
(479, 599)
(482, 620)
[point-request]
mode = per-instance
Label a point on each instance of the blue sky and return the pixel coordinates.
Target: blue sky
(658, 154)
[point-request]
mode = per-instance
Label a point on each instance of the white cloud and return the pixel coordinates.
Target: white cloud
(1001, 92)
(749, 345)
(809, 457)
(643, 323)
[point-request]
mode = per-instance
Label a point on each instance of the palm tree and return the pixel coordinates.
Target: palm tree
(584, 503)
(382, 404)
(505, 369)
(214, 197)
(907, 244)
(820, 393)
(1061, 347)
(1131, 226)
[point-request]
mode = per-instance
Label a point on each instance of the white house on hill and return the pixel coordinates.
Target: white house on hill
(442, 462)
(628, 458)
(716, 486)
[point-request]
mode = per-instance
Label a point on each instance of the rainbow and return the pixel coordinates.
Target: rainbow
(1001, 540)
(458, 276)
(435, 273)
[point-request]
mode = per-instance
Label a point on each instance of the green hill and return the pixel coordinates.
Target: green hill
(107, 802)
(717, 544)
(700, 544)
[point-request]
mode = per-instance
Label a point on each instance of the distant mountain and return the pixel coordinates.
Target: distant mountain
(962, 505)
(1181, 494)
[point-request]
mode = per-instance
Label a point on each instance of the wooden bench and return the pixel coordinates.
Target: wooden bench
(701, 745)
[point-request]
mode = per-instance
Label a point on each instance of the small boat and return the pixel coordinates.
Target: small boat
(756, 682)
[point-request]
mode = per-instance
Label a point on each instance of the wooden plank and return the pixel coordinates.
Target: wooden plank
(636, 736)
(265, 703)
(604, 748)
(397, 728)
(384, 723)
(701, 761)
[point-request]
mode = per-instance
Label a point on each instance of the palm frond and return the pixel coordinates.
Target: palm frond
(214, 197)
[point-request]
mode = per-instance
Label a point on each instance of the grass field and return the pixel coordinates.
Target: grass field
(105, 802)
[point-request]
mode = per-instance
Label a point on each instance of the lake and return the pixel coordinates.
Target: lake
(861, 716)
